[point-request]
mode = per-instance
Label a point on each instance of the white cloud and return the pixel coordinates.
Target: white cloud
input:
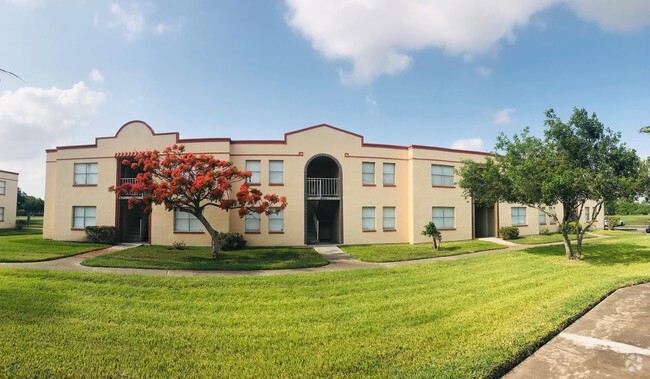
(33, 119)
(378, 36)
(96, 76)
(131, 20)
(615, 16)
(484, 71)
(503, 116)
(164, 28)
(468, 144)
(371, 105)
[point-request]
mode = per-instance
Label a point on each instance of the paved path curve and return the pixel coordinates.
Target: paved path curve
(610, 341)
(339, 261)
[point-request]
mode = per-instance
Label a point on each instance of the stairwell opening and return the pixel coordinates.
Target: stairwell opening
(323, 200)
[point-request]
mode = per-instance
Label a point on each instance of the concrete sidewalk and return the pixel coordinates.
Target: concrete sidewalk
(610, 341)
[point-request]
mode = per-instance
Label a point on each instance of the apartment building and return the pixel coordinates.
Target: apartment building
(339, 189)
(8, 198)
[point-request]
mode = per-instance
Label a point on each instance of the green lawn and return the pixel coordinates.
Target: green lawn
(540, 238)
(199, 258)
(474, 317)
(634, 219)
(26, 246)
(405, 251)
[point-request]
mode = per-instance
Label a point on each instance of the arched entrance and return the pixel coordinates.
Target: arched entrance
(323, 200)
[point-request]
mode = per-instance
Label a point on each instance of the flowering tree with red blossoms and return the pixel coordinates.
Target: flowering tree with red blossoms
(191, 183)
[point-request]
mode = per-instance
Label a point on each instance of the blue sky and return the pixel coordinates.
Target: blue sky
(434, 72)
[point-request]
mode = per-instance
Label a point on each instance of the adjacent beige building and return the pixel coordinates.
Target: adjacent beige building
(340, 189)
(8, 198)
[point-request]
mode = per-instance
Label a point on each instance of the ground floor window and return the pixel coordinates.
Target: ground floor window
(388, 218)
(368, 218)
(276, 222)
(542, 217)
(84, 216)
(186, 222)
(252, 223)
(443, 217)
(2, 214)
(518, 215)
(551, 210)
(587, 219)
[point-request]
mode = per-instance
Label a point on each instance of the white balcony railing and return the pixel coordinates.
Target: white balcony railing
(130, 181)
(322, 187)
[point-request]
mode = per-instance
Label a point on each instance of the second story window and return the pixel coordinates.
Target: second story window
(276, 172)
(389, 174)
(368, 172)
(85, 174)
(255, 168)
(3, 187)
(442, 176)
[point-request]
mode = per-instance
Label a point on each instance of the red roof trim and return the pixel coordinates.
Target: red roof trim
(9, 172)
(282, 141)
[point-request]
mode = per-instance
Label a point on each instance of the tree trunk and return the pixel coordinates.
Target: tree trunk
(568, 249)
(214, 235)
(579, 237)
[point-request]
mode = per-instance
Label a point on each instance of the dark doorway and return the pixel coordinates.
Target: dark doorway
(484, 221)
(134, 223)
(323, 215)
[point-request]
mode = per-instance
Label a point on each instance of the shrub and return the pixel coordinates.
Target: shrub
(509, 232)
(430, 230)
(179, 245)
(20, 224)
(611, 222)
(545, 231)
(101, 234)
(231, 241)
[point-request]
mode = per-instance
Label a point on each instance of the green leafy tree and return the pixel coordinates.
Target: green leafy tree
(430, 230)
(30, 204)
(576, 161)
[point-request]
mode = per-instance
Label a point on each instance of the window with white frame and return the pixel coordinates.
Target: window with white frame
(389, 174)
(388, 218)
(551, 220)
(84, 216)
(518, 215)
(3, 187)
(276, 222)
(368, 218)
(587, 219)
(186, 222)
(255, 167)
(542, 217)
(276, 172)
(2, 214)
(368, 172)
(252, 223)
(442, 176)
(85, 173)
(443, 217)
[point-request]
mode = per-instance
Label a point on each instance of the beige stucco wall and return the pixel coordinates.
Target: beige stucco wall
(8, 200)
(413, 195)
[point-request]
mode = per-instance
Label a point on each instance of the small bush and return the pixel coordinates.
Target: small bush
(101, 234)
(509, 232)
(231, 241)
(611, 222)
(179, 245)
(545, 231)
(21, 224)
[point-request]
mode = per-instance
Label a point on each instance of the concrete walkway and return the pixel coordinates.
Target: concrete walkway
(610, 341)
(339, 261)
